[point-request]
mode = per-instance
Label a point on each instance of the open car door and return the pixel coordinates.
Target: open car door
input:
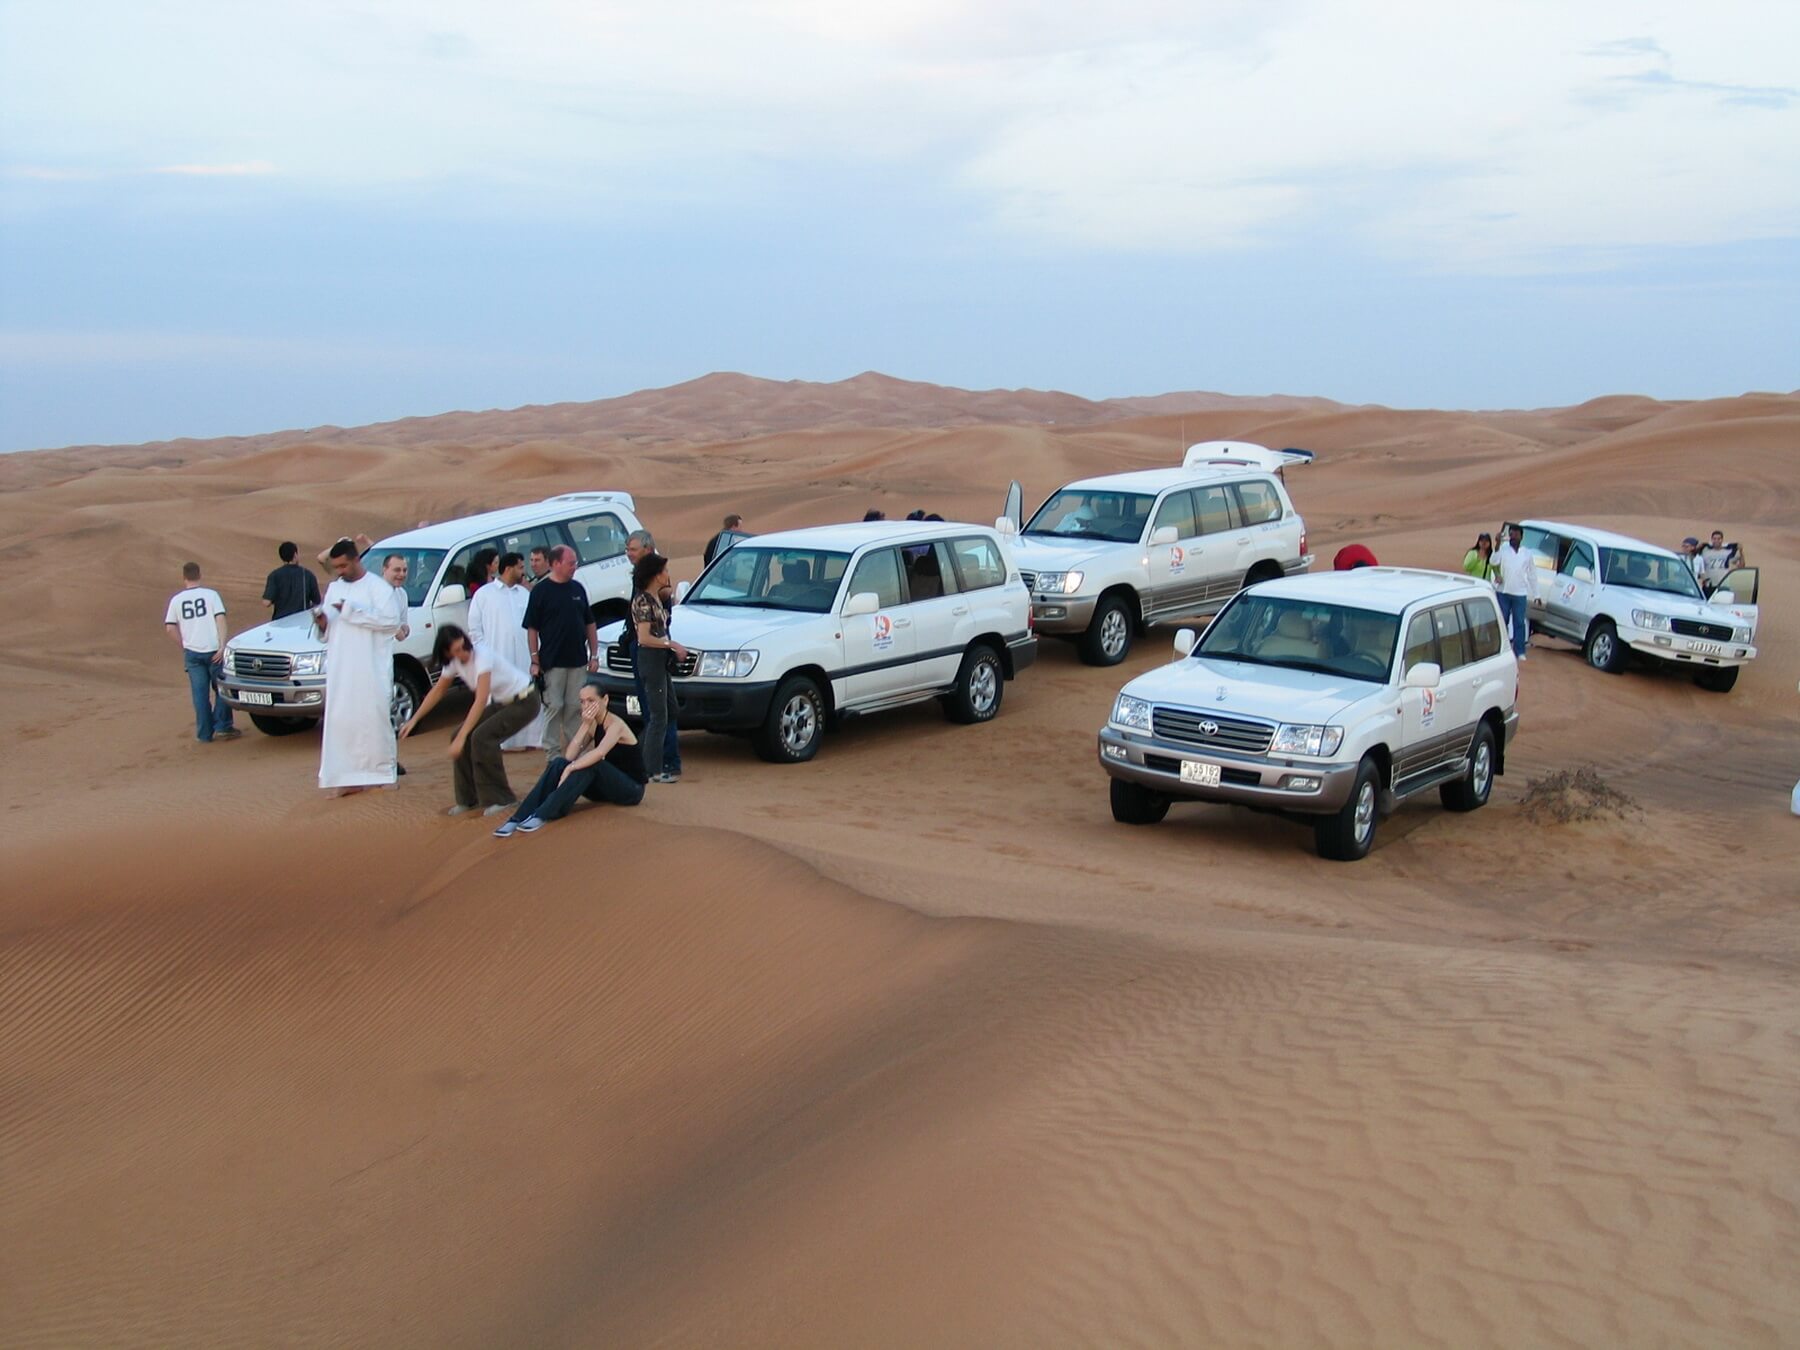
(1015, 506)
(1736, 593)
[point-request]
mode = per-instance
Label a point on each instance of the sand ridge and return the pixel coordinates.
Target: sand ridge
(912, 1044)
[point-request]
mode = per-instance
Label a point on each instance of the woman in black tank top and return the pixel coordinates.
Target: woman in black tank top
(603, 763)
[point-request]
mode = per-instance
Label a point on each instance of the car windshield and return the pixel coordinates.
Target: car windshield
(804, 579)
(1266, 630)
(1648, 572)
(1088, 513)
(421, 567)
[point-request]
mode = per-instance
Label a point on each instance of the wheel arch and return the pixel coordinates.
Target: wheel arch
(1133, 602)
(998, 643)
(818, 675)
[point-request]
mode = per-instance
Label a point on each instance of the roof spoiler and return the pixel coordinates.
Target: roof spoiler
(1231, 454)
(623, 498)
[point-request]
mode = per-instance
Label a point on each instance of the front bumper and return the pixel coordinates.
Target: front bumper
(1243, 780)
(275, 698)
(1687, 651)
(1062, 613)
(703, 705)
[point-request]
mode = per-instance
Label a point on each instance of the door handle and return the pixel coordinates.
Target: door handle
(903, 623)
(1243, 539)
(960, 609)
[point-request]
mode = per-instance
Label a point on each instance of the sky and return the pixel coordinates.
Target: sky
(233, 216)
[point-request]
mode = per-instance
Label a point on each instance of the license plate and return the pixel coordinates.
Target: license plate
(1706, 648)
(250, 696)
(632, 707)
(1203, 775)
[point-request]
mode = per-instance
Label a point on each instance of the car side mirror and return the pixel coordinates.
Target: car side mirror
(681, 590)
(1167, 534)
(1723, 598)
(863, 602)
(1583, 574)
(1005, 525)
(1425, 675)
(453, 594)
(1185, 639)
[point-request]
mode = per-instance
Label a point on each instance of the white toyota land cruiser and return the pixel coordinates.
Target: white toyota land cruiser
(276, 672)
(1106, 557)
(1616, 595)
(1330, 697)
(787, 632)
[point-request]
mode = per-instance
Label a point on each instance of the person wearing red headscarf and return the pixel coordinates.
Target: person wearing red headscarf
(1352, 556)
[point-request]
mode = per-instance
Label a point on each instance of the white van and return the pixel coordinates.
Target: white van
(786, 632)
(275, 672)
(1106, 557)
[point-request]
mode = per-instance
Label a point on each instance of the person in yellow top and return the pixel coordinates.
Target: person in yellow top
(1479, 560)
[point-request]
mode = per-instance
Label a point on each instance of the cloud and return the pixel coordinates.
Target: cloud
(1556, 136)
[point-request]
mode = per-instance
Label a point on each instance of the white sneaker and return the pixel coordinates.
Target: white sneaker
(1523, 657)
(530, 825)
(459, 810)
(505, 829)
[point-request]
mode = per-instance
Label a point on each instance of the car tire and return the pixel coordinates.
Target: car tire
(1134, 804)
(1471, 791)
(795, 724)
(1262, 571)
(979, 685)
(410, 689)
(1604, 650)
(1720, 681)
(282, 726)
(1347, 834)
(1108, 638)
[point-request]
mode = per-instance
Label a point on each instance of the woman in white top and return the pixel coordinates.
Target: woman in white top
(505, 701)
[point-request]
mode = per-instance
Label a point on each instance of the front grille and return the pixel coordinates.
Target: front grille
(618, 660)
(1030, 580)
(1712, 632)
(1223, 733)
(262, 665)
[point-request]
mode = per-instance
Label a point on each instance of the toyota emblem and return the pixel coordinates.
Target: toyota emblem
(1209, 728)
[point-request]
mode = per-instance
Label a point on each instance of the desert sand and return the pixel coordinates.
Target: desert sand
(912, 1045)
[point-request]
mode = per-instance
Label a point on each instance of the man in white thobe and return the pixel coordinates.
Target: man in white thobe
(358, 623)
(497, 622)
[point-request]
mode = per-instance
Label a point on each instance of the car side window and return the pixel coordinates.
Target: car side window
(1483, 623)
(1578, 555)
(1258, 501)
(457, 573)
(878, 571)
(929, 572)
(1212, 509)
(1421, 642)
(522, 542)
(597, 537)
(977, 563)
(1177, 509)
(1453, 645)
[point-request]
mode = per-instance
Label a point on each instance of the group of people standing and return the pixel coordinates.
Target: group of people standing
(1513, 575)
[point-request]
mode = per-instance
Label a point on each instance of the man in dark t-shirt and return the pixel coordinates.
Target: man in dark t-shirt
(560, 630)
(290, 587)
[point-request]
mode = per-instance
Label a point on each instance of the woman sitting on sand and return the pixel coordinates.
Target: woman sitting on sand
(602, 763)
(1479, 561)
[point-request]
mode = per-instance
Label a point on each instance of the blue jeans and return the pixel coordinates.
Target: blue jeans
(1516, 611)
(211, 712)
(550, 798)
(671, 741)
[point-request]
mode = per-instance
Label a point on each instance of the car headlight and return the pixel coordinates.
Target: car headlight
(1306, 740)
(1059, 583)
(727, 665)
(230, 657)
(309, 663)
(1133, 713)
(1656, 623)
(1740, 634)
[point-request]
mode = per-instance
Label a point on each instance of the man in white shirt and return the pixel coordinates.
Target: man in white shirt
(505, 701)
(358, 623)
(497, 621)
(195, 620)
(1516, 584)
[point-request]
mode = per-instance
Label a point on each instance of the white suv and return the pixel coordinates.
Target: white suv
(276, 671)
(1330, 697)
(1105, 557)
(786, 632)
(1616, 595)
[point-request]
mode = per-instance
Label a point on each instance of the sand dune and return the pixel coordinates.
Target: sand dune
(914, 1044)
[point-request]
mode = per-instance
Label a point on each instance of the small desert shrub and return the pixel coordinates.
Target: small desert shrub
(1573, 794)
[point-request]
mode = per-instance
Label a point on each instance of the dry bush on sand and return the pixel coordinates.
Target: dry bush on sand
(1573, 794)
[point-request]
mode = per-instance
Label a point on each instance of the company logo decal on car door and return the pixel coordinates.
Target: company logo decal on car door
(884, 632)
(1177, 560)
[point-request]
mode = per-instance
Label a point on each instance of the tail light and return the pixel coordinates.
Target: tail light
(1303, 541)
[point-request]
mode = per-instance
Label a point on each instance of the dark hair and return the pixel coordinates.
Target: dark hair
(935, 516)
(482, 564)
(733, 521)
(873, 514)
(543, 549)
(917, 513)
(289, 551)
(647, 569)
(509, 560)
(390, 557)
(448, 636)
(344, 548)
(190, 571)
